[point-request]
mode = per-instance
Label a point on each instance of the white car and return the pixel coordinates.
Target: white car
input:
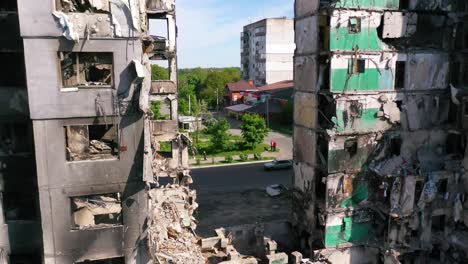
(278, 165)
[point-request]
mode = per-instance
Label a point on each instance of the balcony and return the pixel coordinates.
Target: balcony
(163, 87)
(160, 6)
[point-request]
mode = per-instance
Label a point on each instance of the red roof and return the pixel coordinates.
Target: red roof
(277, 86)
(241, 86)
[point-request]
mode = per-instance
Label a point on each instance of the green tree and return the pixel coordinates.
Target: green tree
(254, 130)
(159, 73)
(219, 134)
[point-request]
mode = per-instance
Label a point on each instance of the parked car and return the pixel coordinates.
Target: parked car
(278, 165)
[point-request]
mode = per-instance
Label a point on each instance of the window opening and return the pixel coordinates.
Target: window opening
(165, 149)
(97, 211)
(82, 6)
(104, 261)
(400, 75)
(354, 25)
(91, 142)
(351, 147)
(357, 66)
(86, 69)
(12, 71)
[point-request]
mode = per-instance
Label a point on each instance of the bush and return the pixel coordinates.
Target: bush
(258, 156)
(229, 159)
(244, 157)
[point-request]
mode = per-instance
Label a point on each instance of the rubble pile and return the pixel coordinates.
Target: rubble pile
(171, 228)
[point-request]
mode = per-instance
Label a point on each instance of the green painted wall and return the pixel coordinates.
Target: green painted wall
(348, 232)
(370, 80)
(368, 3)
(367, 39)
(368, 120)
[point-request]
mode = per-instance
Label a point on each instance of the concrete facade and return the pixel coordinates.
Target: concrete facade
(380, 139)
(267, 49)
(76, 110)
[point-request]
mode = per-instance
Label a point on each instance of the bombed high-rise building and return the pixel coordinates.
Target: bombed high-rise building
(85, 132)
(380, 130)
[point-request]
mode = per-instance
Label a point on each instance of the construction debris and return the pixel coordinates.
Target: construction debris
(171, 226)
(97, 211)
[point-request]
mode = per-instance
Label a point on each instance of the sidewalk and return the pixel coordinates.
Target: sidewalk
(217, 160)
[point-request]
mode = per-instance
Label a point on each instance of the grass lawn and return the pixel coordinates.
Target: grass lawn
(233, 162)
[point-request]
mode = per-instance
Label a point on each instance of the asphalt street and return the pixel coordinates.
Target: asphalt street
(238, 178)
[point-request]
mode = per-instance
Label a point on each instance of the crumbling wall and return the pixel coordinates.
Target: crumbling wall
(384, 131)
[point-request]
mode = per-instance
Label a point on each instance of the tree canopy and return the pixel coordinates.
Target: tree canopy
(199, 84)
(254, 130)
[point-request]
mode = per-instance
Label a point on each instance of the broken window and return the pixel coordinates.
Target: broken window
(12, 71)
(395, 146)
(15, 138)
(400, 75)
(455, 73)
(161, 109)
(351, 147)
(456, 144)
(160, 70)
(86, 69)
(438, 223)
(404, 4)
(97, 211)
(93, 6)
(354, 25)
(105, 261)
(165, 149)
(8, 6)
(357, 66)
(91, 142)
(159, 30)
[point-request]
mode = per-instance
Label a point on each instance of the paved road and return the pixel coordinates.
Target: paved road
(238, 178)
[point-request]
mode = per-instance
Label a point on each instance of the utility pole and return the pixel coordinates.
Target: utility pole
(190, 104)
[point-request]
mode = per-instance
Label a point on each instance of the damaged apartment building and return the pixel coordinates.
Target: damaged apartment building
(85, 133)
(380, 130)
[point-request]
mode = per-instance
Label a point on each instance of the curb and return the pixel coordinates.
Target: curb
(228, 165)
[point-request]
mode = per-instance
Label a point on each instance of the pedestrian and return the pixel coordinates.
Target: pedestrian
(271, 145)
(274, 146)
(204, 156)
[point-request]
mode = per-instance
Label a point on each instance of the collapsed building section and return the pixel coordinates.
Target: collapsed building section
(380, 139)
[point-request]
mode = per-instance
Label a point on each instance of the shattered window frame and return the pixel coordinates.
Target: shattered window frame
(354, 25)
(71, 69)
(74, 6)
(89, 147)
(357, 66)
(91, 205)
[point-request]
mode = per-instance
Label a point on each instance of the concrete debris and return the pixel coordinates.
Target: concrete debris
(274, 190)
(67, 27)
(99, 147)
(171, 226)
(160, 5)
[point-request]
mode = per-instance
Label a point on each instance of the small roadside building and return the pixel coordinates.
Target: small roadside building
(190, 123)
(237, 92)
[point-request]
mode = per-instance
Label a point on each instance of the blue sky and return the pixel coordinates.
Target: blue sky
(209, 30)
